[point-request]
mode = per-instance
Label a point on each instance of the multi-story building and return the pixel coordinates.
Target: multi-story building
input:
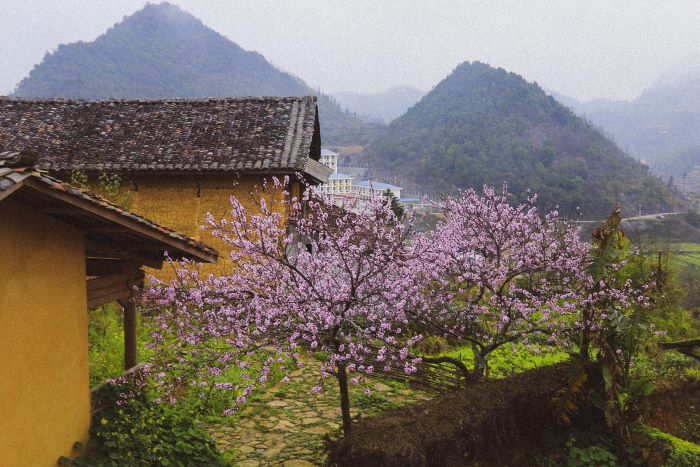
(329, 159)
(338, 183)
(368, 188)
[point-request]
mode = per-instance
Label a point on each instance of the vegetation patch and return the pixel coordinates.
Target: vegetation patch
(681, 453)
(489, 422)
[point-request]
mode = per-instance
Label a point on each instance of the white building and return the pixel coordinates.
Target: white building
(367, 189)
(340, 184)
(329, 159)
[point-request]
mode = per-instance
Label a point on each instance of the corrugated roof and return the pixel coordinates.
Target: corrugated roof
(253, 134)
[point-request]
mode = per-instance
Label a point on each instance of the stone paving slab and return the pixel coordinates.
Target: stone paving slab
(286, 426)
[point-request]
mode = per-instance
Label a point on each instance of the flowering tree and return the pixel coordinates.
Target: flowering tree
(502, 274)
(330, 278)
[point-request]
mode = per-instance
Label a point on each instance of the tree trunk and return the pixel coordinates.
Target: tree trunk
(461, 367)
(344, 398)
(479, 363)
(585, 337)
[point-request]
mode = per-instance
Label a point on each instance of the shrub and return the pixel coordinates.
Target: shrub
(130, 429)
(432, 345)
(681, 453)
(593, 455)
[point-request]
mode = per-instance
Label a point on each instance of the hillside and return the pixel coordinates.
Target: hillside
(162, 51)
(660, 127)
(380, 107)
(485, 125)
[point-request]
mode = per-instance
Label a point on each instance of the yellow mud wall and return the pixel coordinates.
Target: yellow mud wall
(44, 385)
(181, 202)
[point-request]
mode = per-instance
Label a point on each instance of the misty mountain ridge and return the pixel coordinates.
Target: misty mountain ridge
(380, 107)
(482, 125)
(162, 51)
(660, 127)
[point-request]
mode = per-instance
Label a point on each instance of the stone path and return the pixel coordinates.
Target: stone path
(286, 425)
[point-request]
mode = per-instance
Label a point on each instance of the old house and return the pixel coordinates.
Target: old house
(62, 250)
(179, 159)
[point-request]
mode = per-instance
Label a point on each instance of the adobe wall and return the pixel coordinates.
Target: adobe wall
(181, 202)
(44, 384)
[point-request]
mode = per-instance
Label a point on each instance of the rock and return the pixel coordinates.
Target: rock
(248, 463)
(274, 451)
(332, 414)
(655, 459)
(297, 463)
(283, 425)
(245, 449)
(381, 387)
(277, 403)
(317, 430)
(310, 420)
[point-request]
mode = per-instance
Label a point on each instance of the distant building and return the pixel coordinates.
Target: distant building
(338, 183)
(329, 159)
(368, 188)
(343, 185)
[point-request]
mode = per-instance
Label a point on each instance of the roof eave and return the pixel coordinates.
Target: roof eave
(208, 255)
(318, 172)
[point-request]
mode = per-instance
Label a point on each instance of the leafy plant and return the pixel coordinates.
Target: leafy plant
(132, 430)
(596, 455)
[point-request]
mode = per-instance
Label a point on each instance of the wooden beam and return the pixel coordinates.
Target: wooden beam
(93, 247)
(103, 266)
(106, 289)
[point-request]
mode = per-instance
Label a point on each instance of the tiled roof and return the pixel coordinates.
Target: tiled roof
(13, 177)
(255, 134)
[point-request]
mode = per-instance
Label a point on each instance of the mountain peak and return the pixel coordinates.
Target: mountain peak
(164, 13)
(483, 125)
(162, 51)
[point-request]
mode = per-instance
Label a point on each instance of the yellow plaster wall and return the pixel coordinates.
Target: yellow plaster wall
(181, 202)
(44, 385)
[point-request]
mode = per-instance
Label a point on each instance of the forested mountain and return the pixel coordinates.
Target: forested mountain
(485, 125)
(162, 51)
(660, 127)
(381, 106)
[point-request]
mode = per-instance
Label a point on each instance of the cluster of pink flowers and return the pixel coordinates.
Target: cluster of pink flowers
(356, 282)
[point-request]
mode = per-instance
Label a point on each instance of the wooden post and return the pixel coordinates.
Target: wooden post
(129, 306)
(129, 334)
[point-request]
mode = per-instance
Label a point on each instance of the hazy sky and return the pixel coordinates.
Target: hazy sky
(585, 49)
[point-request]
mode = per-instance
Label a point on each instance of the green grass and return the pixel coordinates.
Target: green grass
(686, 254)
(509, 360)
(106, 343)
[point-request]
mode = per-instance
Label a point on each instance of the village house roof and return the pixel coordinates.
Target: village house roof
(105, 223)
(242, 135)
